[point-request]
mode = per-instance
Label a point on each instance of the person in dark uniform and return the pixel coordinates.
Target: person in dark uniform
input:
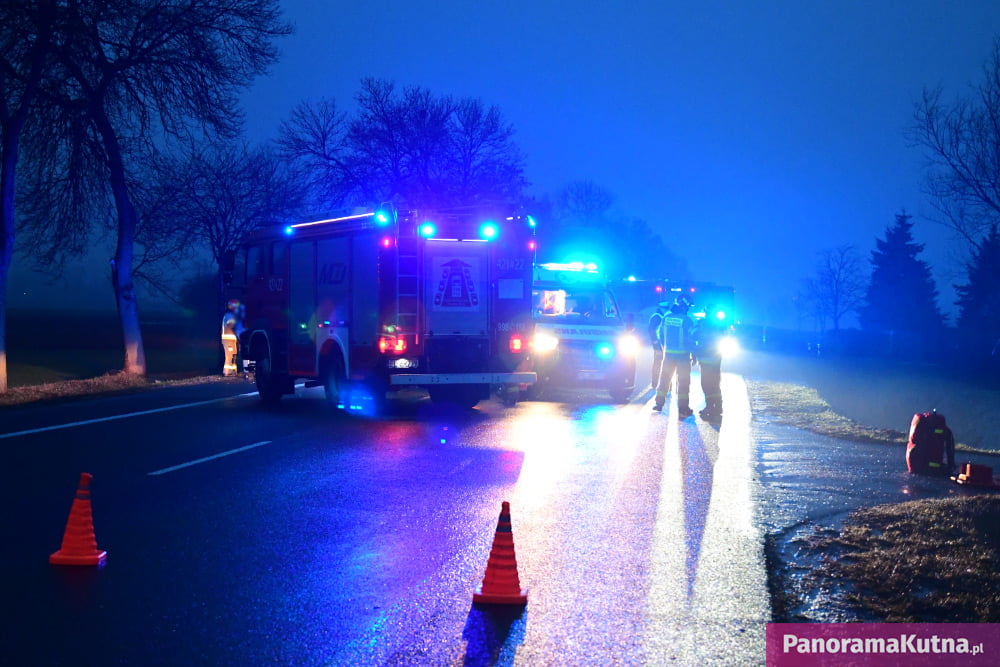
(654, 340)
(676, 337)
(707, 336)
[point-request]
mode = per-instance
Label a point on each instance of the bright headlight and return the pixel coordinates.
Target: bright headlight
(729, 347)
(628, 345)
(544, 342)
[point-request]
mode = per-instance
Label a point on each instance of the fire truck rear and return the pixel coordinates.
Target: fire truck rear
(378, 301)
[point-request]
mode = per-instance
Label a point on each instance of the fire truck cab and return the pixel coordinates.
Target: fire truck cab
(379, 300)
(581, 338)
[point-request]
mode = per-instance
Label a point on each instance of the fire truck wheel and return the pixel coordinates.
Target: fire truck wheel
(536, 391)
(268, 383)
(620, 394)
(508, 395)
(333, 382)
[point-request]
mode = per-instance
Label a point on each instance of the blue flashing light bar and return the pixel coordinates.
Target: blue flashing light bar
(570, 266)
(427, 230)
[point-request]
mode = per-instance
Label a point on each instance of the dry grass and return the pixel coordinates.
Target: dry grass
(116, 382)
(926, 561)
(802, 407)
(920, 561)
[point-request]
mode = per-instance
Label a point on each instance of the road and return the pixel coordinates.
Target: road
(239, 535)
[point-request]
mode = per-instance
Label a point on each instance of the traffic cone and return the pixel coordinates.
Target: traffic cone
(79, 545)
(501, 584)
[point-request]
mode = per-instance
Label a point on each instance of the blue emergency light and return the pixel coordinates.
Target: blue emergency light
(489, 230)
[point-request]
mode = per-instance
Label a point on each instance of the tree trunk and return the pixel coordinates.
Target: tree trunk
(121, 264)
(7, 182)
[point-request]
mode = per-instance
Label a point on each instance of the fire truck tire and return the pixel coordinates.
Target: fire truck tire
(464, 397)
(508, 395)
(333, 382)
(620, 394)
(269, 384)
(536, 391)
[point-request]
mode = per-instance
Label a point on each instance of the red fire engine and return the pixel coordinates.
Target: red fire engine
(375, 301)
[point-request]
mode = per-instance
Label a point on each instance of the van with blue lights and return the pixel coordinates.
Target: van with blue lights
(581, 338)
(379, 300)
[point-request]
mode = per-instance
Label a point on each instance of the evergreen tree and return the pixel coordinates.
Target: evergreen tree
(979, 298)
(901, 300)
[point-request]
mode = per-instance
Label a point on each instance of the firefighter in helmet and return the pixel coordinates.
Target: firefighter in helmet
(232, 327)
(676, 337)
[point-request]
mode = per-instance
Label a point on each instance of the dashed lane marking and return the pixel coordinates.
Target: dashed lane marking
(208, 458)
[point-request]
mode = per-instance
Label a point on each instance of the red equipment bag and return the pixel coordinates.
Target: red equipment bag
(929, 437)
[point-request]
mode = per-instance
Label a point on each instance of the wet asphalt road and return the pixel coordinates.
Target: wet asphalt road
(243, 536)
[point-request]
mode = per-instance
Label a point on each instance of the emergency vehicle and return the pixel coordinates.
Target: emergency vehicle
(581, 338)
(380, 300)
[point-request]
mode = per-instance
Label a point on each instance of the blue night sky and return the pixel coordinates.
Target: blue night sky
(751, 135)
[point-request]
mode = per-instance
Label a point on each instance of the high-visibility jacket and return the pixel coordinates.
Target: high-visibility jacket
(676, 333)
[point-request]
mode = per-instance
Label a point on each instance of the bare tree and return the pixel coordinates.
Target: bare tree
(411, 146)
(25, 57)
(584, 202)
(314, 143)
(837, 288)
(585, 226)
(961, 141)
(135, 72)
(216, 193)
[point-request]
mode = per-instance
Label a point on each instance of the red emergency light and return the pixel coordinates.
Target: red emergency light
(391, 344)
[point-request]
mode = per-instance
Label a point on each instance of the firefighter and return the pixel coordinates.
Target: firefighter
(654, 340)
(232, 327)
(707, 336)
(676, 337)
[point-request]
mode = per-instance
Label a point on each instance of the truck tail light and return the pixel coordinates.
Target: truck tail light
(391, 344)
(516, 343)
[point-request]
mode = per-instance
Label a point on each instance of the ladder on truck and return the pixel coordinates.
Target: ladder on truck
(408, 285)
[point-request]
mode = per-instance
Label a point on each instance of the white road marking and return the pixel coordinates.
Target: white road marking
(114, 417)
(209, 458)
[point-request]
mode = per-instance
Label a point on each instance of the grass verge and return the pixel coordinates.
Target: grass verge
(923, 561)
(920, 561)
(116, 382)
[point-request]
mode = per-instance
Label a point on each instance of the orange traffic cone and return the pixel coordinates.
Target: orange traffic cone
(79, 545)
(501, 584)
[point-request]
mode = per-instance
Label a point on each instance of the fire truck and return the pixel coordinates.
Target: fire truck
(380, 300)
(581, 338)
